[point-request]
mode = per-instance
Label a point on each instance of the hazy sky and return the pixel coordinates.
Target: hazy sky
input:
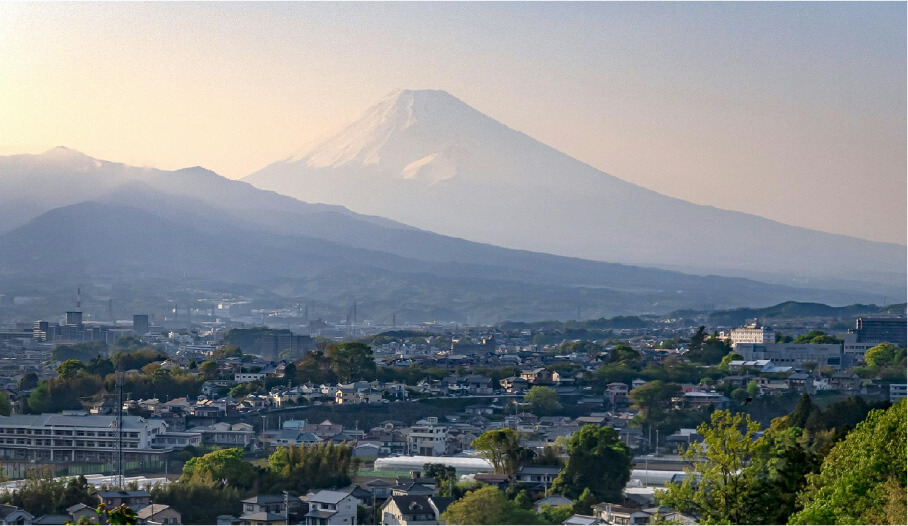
(792, 111)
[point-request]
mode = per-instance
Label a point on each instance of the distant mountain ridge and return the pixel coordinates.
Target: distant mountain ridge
(128, 227)
(794, 309)
(429, 160)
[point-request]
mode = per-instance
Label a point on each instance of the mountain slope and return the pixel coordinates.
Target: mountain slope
(97, 241)
(427, 159)
(108, 223)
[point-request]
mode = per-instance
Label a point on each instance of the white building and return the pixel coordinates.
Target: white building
(427, 438)
(242, 378)
(79, 437)
(331, 507)
(751, 333)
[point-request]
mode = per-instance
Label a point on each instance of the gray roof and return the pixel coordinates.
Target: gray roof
(328, 496)
(52, 519)
(265, 499)
(122, 494)
(321, 514)
(539, 470)
(262, 516)
(59, 420)
(146, 512)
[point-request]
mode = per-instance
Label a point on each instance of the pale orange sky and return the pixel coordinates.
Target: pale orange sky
(795, 112)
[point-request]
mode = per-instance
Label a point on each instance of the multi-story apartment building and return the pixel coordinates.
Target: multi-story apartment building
(427, 438)
(78, 437)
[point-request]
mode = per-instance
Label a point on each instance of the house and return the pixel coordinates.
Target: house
(478, 385)
(800, 382)
(262, 517)
(493, 479)
(15, 515)
(411, 489)
(380, 489)
(541, 476)
(158, 514)
(609, 513)
(581, 520)
(331, 507)
(259, 503)
(366, 450)
(514, 384)
(135, 499)
(704, 399)
(80, 511)
(427, 438)
(845, 382)
(616, 392)
(552, 500)
(540, 375)
(407, 509)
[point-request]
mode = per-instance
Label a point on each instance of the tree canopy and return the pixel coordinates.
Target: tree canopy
(542, 400)
(597, 460)
(862, 480)
(488, 505)
(501, 447)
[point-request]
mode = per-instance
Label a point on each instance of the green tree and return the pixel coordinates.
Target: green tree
(445, 477)
(884, 354)
(753, 389)
(715, 488)
(723, 365)
(653, 399)
(556, 514)
(697, 340)
(225, 466)
(597, 460)
(40, 400)
(501, 447)
(487, 505)
(199, 503)
(542, 400)
(857, 481)
(5, 406)
(209, 369)
(27, 381)
(776, 472)
(70, 369)
(351, 361)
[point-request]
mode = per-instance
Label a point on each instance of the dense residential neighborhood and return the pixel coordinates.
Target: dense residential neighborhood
(400, 402)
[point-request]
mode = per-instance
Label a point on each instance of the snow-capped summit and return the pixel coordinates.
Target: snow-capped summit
(415, 135)
(427, 159)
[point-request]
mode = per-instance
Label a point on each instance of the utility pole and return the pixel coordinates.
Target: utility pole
(119, 380)
(286, 507)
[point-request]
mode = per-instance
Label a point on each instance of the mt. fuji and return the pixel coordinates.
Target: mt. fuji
(429, 160)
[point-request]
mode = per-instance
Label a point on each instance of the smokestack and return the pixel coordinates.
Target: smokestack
(79, 298)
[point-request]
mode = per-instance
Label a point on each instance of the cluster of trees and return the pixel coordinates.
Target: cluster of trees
(542, 400)
(810, 467)
(42, 494)
(78, 383)
(812, 337)
(707, 349)
(214, 484)
(597, 469)
(343, 362)
(886, 362)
